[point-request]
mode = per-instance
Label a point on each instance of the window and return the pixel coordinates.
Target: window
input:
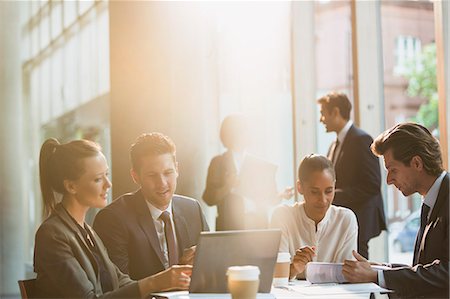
(406, 49)
(65, 67)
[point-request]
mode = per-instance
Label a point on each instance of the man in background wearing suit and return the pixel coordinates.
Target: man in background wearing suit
(413, 160)
(147, 231)
(358, 176)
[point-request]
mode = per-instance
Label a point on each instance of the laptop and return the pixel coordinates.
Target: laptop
(216, 251)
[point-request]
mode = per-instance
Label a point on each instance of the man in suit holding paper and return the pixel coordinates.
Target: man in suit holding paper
(413, 160)
(151, 229)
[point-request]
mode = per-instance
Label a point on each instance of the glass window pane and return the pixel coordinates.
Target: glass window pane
(333, 56)
(84, 5)
(408, 51)
(44, 30)
(70, 12)
(102, 53)
(56, 19)
(56, 85)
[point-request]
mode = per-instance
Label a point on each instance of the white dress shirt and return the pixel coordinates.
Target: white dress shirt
(341, 136)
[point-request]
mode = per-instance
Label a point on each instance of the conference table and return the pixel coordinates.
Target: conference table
(296, 289)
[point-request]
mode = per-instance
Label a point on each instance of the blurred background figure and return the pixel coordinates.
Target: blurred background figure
(224, 184)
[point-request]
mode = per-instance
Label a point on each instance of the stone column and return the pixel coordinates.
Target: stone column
(370, 89)
(12, 198)
(161, 81)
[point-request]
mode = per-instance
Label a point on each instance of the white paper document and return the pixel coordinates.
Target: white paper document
(337, 289)
(318, 272)
(186, 295)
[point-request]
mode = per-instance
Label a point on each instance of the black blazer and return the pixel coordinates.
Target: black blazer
(230, 205)
(65, 266)
(128, 232)
(429, 278)
(358, 183)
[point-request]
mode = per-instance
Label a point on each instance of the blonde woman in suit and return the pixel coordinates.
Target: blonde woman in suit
(69, 258)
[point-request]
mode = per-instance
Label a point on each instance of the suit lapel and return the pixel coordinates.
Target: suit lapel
(433, 219)
(146, 222)
(441, 198)
(65, 217)
(104, 255)
(180, 226)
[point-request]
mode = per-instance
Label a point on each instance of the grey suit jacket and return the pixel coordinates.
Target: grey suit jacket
(429, 278)
(65, 266)
(126, 228)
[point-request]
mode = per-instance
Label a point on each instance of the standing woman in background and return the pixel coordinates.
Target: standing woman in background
(69, 258)
(223, 171)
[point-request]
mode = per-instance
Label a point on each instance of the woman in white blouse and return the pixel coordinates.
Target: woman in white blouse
(315, 230)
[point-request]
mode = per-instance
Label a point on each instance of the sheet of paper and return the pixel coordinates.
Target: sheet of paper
(338, 289)
(186, 295)
(319, 272)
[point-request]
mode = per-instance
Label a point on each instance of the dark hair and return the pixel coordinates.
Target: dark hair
(339, 100)
(59, 162)
(232, 126)
(150, 144)
(407, 140)
(312, 163)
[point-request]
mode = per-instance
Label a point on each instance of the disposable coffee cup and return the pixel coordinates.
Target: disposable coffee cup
(281, 271)
(243, 281)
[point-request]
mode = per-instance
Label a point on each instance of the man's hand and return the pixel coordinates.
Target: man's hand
(302, 256)
(174, 278)
(359, 270)
(188, 256)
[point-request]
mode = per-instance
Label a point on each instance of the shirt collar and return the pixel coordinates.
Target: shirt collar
(342, 133)
(430, 198)
(321, 223)
(157, 212)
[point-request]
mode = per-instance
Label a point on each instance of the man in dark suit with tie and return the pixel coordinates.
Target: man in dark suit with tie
(413, 160)
(358, 176)
(151, 229)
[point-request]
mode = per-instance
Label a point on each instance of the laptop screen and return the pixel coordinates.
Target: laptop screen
(216, 251)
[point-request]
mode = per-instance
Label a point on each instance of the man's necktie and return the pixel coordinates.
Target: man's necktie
(333, 152)
(423, 222)
(170, 238)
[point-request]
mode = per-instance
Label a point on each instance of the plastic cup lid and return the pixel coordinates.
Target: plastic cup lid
(243, 272)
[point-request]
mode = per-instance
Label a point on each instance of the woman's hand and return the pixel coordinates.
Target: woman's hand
(302, 256)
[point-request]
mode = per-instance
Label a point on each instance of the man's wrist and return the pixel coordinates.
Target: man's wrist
(374, 276)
